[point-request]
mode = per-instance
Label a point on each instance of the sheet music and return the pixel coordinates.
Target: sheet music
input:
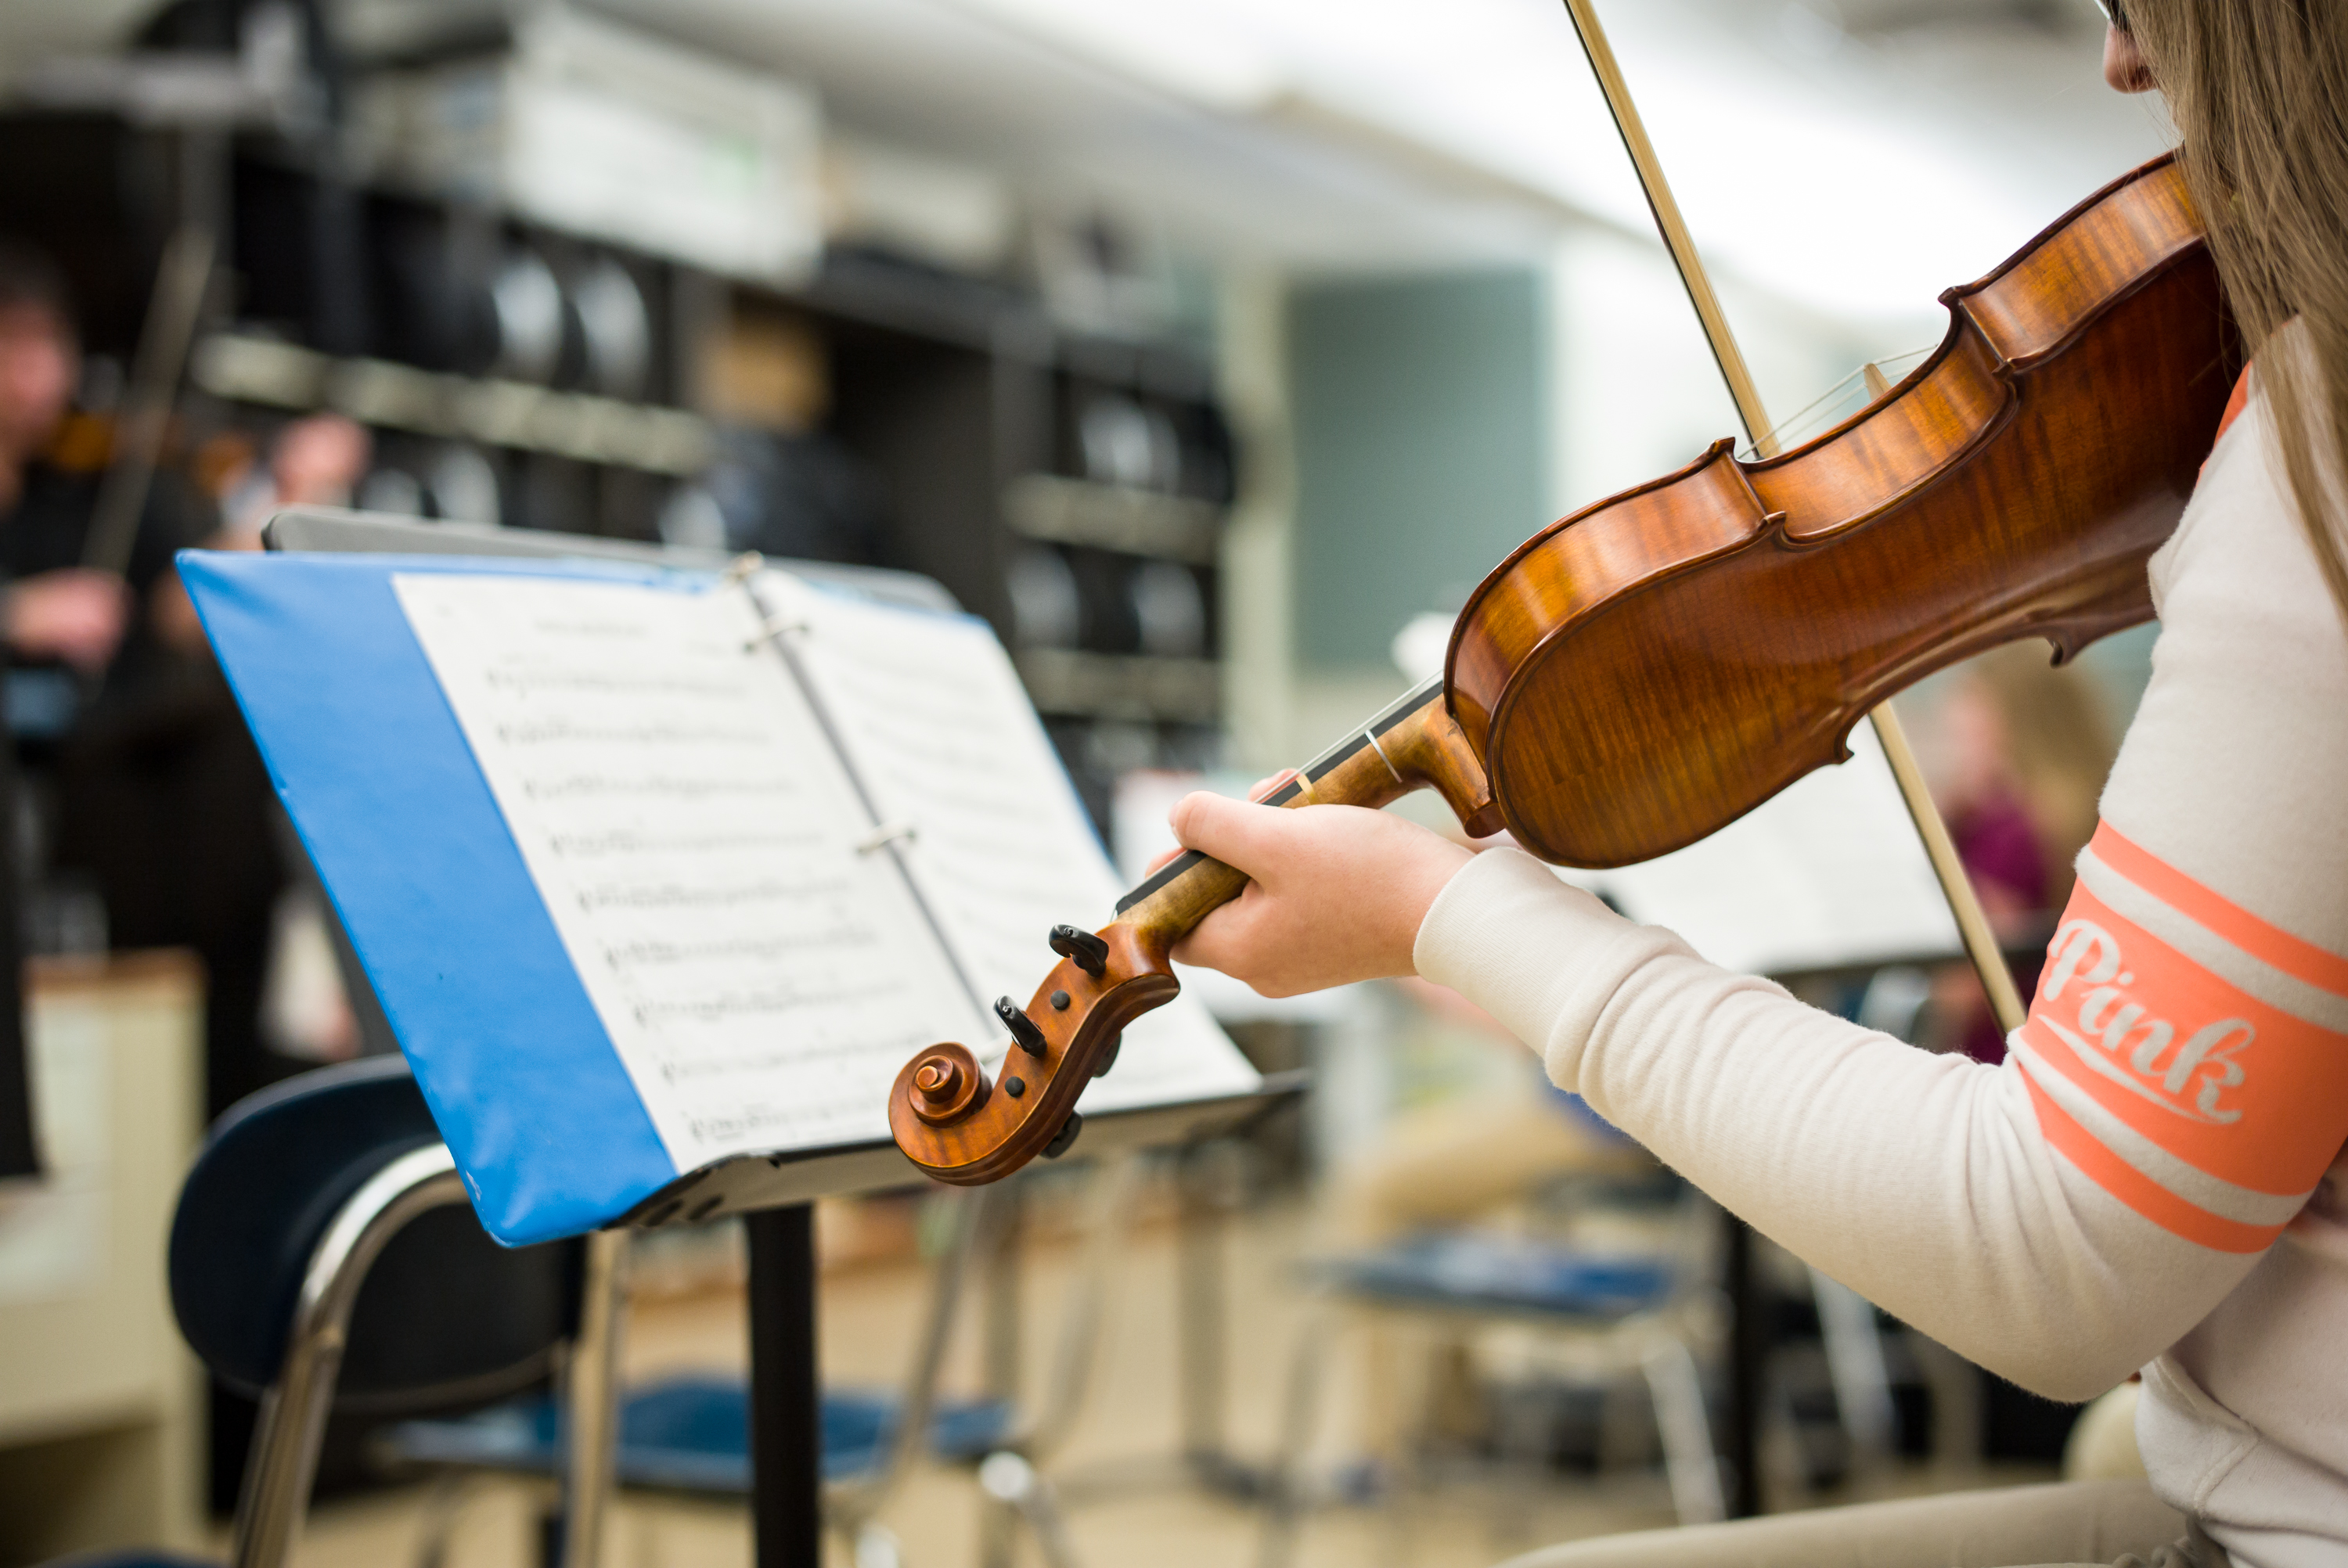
(1828, 873)
(693, 834)
(942, 735)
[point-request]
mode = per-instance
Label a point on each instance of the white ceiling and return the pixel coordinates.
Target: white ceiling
(1855, 161)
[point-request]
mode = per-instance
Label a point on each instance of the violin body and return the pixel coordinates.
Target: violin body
(1650, 668)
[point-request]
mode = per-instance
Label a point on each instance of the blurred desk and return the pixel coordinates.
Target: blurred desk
(99, 1407)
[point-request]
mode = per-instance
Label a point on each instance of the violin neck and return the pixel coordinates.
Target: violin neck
(1411, 744)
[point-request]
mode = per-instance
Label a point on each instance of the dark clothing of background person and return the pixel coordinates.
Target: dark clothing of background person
(155, 792)
(18, 1156)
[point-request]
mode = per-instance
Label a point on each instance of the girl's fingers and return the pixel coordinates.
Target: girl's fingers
(1256, 791)
(1237, 833)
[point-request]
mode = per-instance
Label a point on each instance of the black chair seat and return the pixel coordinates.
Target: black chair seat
(447, 1318)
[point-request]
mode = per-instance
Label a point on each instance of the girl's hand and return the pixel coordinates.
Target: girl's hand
(1336, 896)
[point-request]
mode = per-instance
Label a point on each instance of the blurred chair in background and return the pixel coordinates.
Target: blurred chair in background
(322, 1256)
(687, 1436)
(1597, 1312)
(1462, 1161)
(322, 1259)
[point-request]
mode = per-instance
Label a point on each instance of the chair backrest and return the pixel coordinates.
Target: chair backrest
(446, 1317)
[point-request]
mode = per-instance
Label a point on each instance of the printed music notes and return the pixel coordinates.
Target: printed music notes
(694, 835)
(781, 861)
(930, 715)
(1826, 873)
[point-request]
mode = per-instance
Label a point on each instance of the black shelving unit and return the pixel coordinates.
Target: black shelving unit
(960, 399)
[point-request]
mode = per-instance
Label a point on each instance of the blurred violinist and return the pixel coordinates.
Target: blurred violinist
(155, 795)
(52, 611)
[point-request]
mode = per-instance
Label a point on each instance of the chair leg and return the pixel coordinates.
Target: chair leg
(853, 1503)
(1008, 1477)
(1086, 1316)
(1002, 1343)
(437, 1519)
(873, 1546)
(293, 1413)
(1522, 1430)
(1686, 1430)
(1862, 1384)
(1283, 1511)
(590, 1398)
(1413, 1441)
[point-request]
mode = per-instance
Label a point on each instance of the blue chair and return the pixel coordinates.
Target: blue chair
(1626, 1313)
(690, 1435)
(322, 1256)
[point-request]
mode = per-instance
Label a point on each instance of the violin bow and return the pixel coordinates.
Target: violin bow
(1964, 904)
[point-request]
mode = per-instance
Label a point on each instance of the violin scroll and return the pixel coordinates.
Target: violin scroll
(961, 1128)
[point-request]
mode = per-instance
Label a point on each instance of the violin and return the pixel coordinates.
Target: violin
(1651, 668)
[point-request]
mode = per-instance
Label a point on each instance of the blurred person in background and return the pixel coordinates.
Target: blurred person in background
(2019, 752)
(53, 458)
(58, 615)
(151, 790)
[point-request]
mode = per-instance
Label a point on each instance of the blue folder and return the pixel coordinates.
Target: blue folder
(367, 757)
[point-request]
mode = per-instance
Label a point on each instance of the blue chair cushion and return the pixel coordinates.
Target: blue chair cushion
(1468, 1271)
(689, 1434)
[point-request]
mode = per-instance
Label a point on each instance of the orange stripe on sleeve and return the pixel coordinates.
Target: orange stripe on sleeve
(2139, 1192)
(2270, 944)
(2239, 1089)
(2235, 401)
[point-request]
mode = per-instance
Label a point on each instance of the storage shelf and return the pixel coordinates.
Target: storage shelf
(246, 368)
(1122, 686)
(1066, 511)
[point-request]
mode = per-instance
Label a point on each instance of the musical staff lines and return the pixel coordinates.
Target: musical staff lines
(691, 832)
(931, 713)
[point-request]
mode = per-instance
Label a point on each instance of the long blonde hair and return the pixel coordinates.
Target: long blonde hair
(2259, 89)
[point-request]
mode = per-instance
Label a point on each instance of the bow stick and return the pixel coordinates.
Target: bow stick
(1964, 904)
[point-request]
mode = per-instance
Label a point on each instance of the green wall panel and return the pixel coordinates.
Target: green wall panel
(1419, 412)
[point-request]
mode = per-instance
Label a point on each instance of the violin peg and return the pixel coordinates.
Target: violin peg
(1065, 1136)
(1089, 952)
(1108, 1056)
(1023, 1029)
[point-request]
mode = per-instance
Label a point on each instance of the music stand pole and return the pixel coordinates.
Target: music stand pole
(785, 1390)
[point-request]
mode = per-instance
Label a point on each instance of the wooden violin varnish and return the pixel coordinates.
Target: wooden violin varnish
(1648, 670)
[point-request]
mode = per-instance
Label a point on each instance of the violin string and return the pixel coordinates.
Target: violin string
(1785, 434)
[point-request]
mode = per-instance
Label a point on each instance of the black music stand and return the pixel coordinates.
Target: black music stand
(774, 1194)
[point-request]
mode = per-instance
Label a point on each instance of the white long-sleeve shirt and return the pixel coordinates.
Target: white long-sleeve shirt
(2157, 1175)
